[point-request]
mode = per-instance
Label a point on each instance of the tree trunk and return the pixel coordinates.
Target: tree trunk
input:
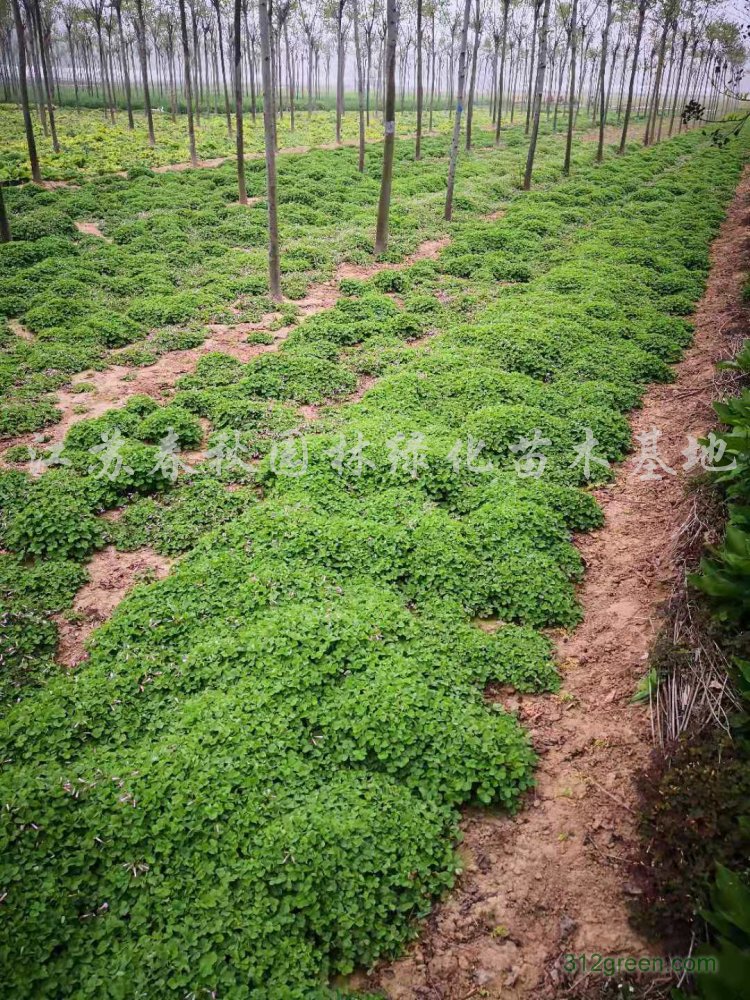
(633, 71)
(188, 83)
(36, 173)
(602, 83)
(501, 78)
(651, 123)
(253, 95)
(289, 74)
(36, 15)
(668, 88)
(124, 62)
(72, 48)
(389, 128)
(238, 102)
(339, 66)
(473, 76)
(420, 88)
(197, 63)
(360, 86)
(269, 123)
(448, 213)
(432, 67)
(531, 66)
(4, 226)
(222, 61)
(572, 90)
(538, 91)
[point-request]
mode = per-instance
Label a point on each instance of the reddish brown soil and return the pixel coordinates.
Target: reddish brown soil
(111, 575)
(555, 878)
(20, 330)
(91, 229)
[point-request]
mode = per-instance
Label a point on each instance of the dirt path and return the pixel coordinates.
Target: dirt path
(555, 879)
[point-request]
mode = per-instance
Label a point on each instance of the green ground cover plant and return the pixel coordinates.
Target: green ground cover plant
(183, 254)
(92, 145)
(305, 689)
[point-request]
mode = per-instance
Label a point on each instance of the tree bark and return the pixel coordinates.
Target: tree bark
(188, 83)
(238, 102)
(651, 123)
(501, 80)
(269, 123)
(602, 83)
(537, 4)
(36, 173)
(633, 72)
(448, 213)
(339, 66)
(572, 91)
(473, 76)
(389, 128)
(420, 87)
(220, 31)
(124, 63)
(46, 72)
(538, 91)
(360, 87)
(4, 225)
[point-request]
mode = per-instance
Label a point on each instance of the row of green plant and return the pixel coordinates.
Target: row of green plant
(92, 145)
(697, 816)
(253, 783)
(184, 253)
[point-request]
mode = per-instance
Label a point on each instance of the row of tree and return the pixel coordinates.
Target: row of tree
(525, 58)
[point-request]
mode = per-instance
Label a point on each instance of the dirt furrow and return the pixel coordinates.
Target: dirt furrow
(555, 878)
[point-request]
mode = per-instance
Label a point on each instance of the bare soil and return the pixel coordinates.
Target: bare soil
(111, 575)
(555, 879)
(91, 229)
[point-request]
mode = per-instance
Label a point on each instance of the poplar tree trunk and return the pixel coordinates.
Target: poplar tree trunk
(339, 66)
(71, 47)
(668, 87)
(633, 71)
(36, 16)
(269, 125)
(360, 86)
(238, 102)
(448, 213)
(602, 83)
(538, 91)
(501, 80)
(420, 89)
(473, 77)
(651, 123)
(124, 62)
(432, 65)
(220, 31)
(36, 173)
(389, 128)
(531, 66)
(4, 226)
(188, 83)
(572, 91)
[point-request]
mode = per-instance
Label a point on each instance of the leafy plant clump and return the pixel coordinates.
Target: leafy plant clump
(254, 783)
